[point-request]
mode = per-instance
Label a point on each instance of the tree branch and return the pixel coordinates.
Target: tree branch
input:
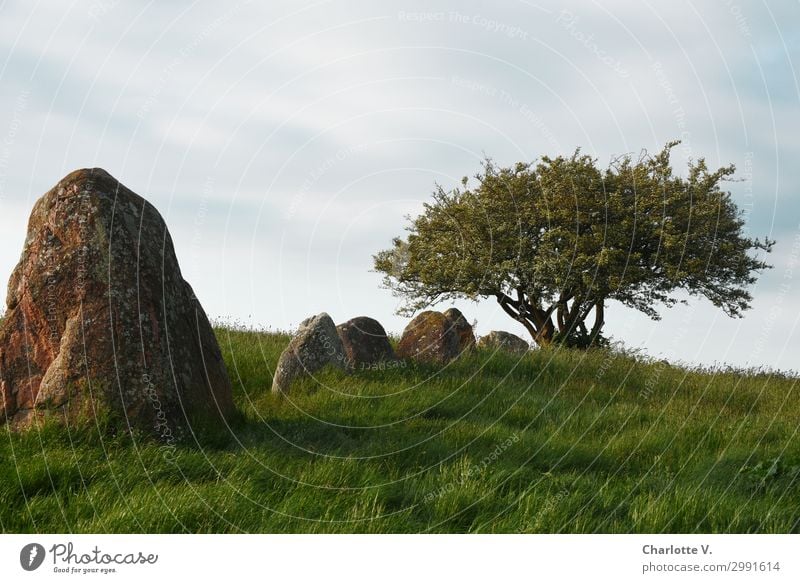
(507, 304)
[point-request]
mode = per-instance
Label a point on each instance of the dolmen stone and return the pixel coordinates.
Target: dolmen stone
(436, 337)
(315, 345)
(365, 343)
(505, 341)
(466, 336)
(100, 321)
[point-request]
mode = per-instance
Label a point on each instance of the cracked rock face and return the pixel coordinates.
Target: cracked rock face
(100, 321)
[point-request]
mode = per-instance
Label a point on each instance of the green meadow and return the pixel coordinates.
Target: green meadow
(557, 441)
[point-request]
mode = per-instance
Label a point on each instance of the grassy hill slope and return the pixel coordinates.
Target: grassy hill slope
(557, 441)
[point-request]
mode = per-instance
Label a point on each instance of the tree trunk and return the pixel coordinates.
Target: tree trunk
(599, 319)
(545, 328)
(537, 322)
(509, 309)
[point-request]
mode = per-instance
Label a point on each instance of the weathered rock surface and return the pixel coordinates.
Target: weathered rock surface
(433, 337)
(466, 336)
(100, 320)
(365, 342)
(499, 340)
(315, 345)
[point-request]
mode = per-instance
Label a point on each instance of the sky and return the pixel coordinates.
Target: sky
(286, 142)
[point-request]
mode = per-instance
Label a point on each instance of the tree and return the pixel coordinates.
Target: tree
(555, 241)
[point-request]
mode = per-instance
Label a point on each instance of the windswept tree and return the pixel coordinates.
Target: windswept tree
(555, 241)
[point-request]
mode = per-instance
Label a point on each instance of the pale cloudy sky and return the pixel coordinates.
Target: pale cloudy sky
(284, 142)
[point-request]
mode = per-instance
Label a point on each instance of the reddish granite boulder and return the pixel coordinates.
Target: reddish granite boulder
(100, 320)
(430, 337)
(365, 342)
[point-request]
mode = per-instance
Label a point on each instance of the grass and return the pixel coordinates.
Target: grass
(555, 442)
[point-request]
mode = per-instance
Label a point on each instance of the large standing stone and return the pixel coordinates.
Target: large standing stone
(365, 342)
(430, 337)
(499, 340)
(100, 320)
(466, 337)
(315, 345)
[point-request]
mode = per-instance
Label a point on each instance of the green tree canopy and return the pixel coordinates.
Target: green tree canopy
(552, 242)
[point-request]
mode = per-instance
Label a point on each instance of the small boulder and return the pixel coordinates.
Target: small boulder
(499, 340)
(430, 337)
(466, 337)
(365, 342)
(315, 345)
(101, 321)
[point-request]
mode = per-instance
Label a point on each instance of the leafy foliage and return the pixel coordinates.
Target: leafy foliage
(768, 472)
(553, 242)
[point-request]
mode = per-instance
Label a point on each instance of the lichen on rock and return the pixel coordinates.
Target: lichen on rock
(315, 345)
(436, 337)
(100, 319)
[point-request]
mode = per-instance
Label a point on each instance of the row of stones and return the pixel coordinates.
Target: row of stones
(434, 337)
